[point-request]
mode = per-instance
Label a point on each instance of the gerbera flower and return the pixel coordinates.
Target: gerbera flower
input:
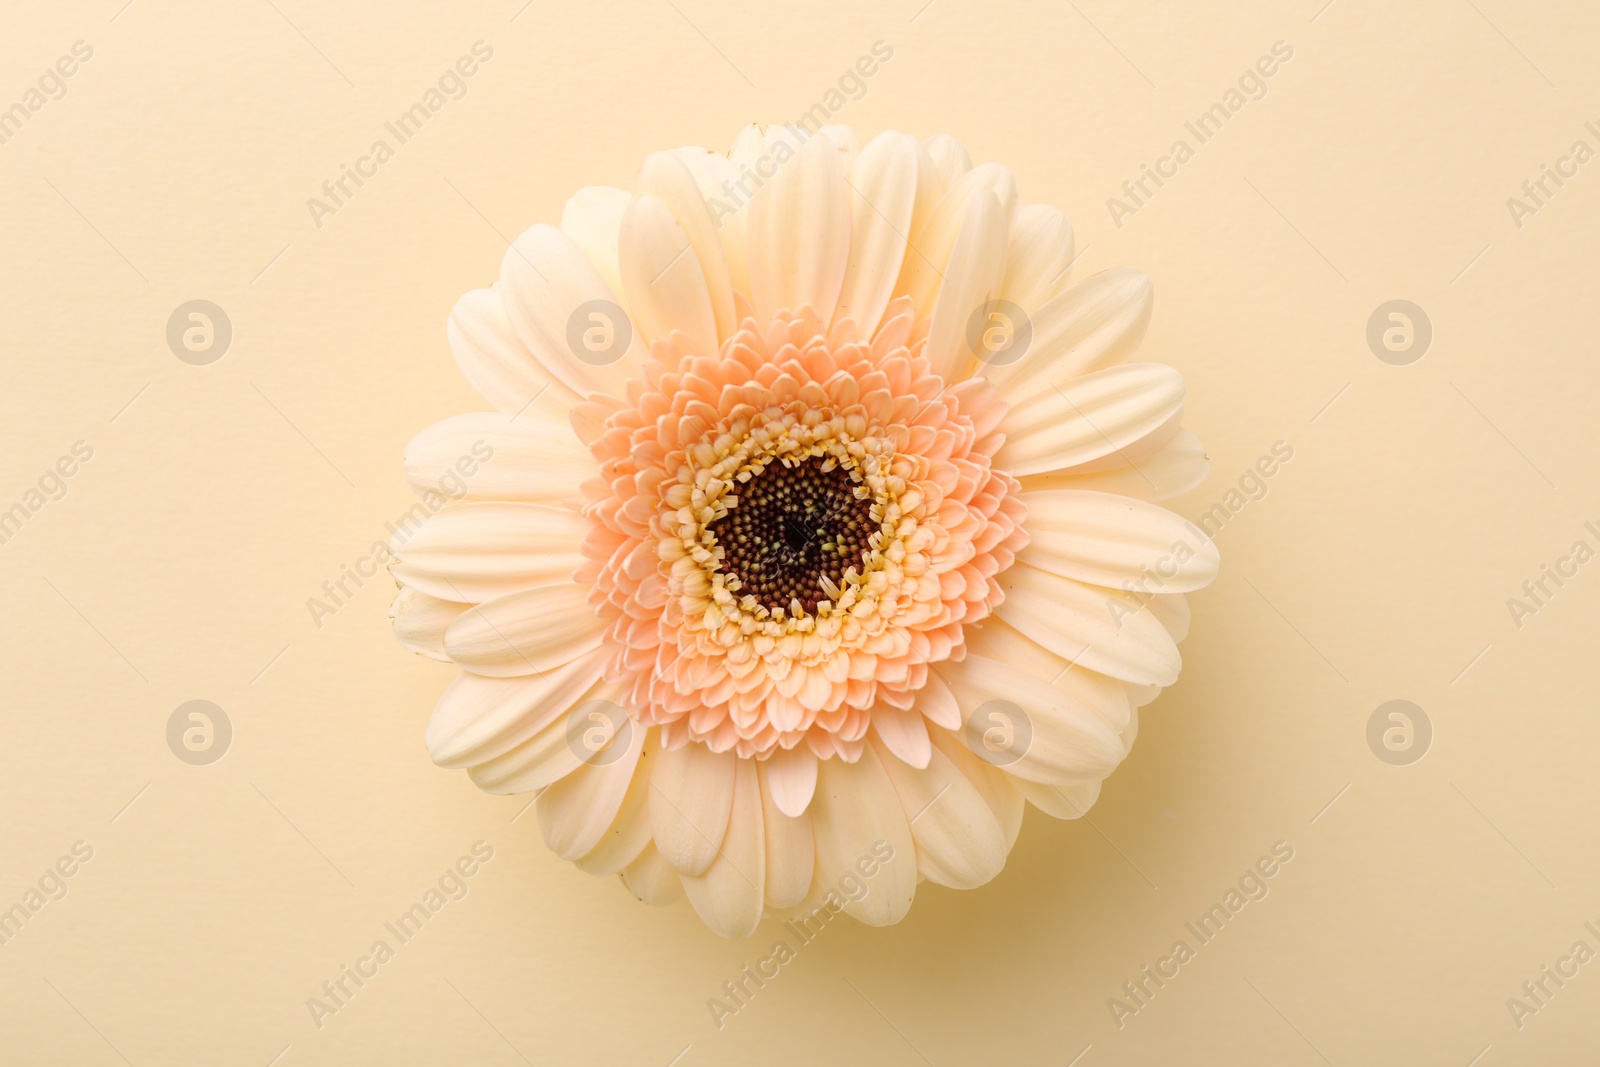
(816, 531)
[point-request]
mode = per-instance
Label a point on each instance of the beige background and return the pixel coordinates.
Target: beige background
(220, 498)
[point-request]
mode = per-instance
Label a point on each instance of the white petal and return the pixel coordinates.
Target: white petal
(859, 820)
(661, 278)
(1178, 466)
(495, 456)
(480, 551)
(667, 177)
(1090, 418)
(1030, 729)
(884, 194)
(903, 733)
(1061, 801)
(420, 621)
(534, 630)
(971, 278)
(798, 240)
(728, 897)
(478, 718)
(1089, 327)
(592, 218)
(691, 793)
(575, 812)
(493, 359)
(930, 248)
(651, 880)
(546, 757)
(1105, 539)
(1037, 257)
(1091, 625)
(792, 778)
(629, 832)
(553, 295)
(790, 844)
(959, 841)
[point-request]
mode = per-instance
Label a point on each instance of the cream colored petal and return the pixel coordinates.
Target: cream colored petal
(495, 456)
(1105, 539)
(629, 832)
(959, 841)
(1061, 801)
(651, 880)
(1089, 418)
(792, 778)
(1178, 466)
(790, 846)
(903, 733)
(592, 218)
(493, 359)
(662, 279)
(860, 824)
(667, 177)
(484, 550)
(798, 239)
(729, 896)
(883, 196)
(478, 718)
(845, 140)
(1088, 327)
(1100, 628)
(1037, 257)
(1030, 729)
(717, 179)
(691, 793)
(575, 812)
(1107, 697)
(949, 157)
(938, 705)
(548, 756)
(971, 279)
(553, 295)
(930, 248)
(999, 789)
(534, 630)
(1172, 611)
(420, 621)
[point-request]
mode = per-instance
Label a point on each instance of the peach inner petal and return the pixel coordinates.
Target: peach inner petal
(709, 658)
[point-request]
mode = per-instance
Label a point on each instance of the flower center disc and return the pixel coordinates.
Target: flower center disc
(794, 532)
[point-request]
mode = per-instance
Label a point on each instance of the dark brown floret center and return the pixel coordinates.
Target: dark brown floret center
(791, 528)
